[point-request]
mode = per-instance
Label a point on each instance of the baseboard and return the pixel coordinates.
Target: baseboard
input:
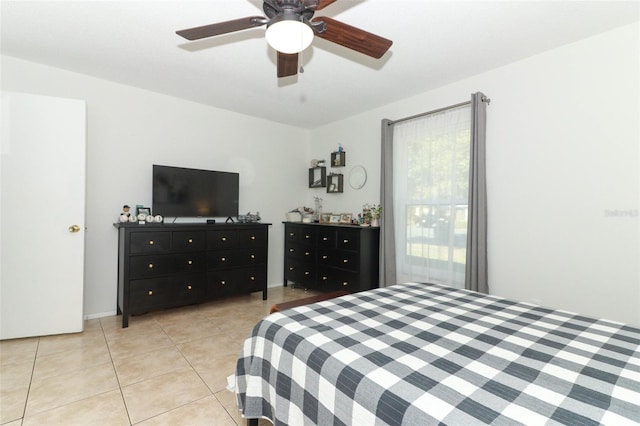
(100, 315)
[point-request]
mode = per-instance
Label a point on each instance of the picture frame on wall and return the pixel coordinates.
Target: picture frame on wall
(335, 218)
(345, 217)
(325, 218)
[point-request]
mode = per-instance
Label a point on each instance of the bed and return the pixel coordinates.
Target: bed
(422, 354)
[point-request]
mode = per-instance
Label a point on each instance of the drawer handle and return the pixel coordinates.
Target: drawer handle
(223, 259)
(345, 260)
(224, 238)
(325, 257)
(345, 283)
(151, 266)
(223, 282)
(291, 268)
(324, 278)
(345, 241)
(306, 253)
(190, 262)
(188, 287)
(253, 256)
(307, 236)
(291, 250)
(325, 239)
(150, 242)
(253, 278)
(150, 293)
(307, 272)
(253, 237)
(190, 240)
(291, 234)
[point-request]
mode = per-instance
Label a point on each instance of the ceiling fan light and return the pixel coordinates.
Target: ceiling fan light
(289, 36)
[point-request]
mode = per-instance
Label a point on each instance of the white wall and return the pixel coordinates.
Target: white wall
(130, 129)
(563, 150)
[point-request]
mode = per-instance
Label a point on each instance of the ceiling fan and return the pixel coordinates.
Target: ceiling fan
(290, 30)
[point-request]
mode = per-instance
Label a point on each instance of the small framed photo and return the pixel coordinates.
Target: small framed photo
(345, 218)
(335, 218)
(143, 210)
(325, 218)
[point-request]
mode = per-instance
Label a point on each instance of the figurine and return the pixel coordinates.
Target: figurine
(125, 215)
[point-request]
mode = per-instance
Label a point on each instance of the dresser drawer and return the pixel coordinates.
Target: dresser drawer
(251, 238)
(333, 279)
(164, 292)
(327, 238)
(233, 281)
(339, 259)
(299, 251)
(238, 281)
(223, 282)
(151, 265)
(308, 237)
(292, 233)
(145, 295)
(348, 239)
(300, 272)
(188, 289)
(254, 257)
(253, 279)
(188, 240)
(149, 242)
(234, 258)
(300, 234)
(190, 262)
(223, 238)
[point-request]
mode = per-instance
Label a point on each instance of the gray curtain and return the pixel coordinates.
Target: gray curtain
(476, 275)
(387, 226)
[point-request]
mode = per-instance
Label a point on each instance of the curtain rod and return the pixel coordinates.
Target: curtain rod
(435, 111)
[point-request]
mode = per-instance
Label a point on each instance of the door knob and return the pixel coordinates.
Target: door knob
(74, 228)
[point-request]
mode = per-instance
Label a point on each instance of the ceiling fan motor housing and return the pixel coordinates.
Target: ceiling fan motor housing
(304, 9)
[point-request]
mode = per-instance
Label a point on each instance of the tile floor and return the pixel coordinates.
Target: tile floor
(166, 368)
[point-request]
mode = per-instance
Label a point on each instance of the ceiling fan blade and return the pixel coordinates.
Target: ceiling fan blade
(222, 28)
(287, 64)
(354, 38)
(324, 3)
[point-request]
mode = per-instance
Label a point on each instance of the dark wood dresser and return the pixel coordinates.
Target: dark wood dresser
(331, 257)
(167, 265)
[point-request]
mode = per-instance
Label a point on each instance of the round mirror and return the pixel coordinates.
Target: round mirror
(357, 177)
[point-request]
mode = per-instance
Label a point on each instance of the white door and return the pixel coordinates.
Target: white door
(42, 209)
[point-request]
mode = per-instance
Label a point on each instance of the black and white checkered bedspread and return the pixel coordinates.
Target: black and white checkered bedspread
(421, 354)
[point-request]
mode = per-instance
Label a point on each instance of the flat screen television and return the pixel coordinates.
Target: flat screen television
(182, 192)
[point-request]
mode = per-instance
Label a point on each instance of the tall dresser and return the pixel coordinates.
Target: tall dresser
(330, 257)
(166, 265)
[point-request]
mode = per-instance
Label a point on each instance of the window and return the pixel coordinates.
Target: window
(431, 190)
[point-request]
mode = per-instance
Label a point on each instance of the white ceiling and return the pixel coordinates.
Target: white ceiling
(435, 43)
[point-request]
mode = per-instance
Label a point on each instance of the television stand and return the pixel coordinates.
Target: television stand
(162, 265)
(229, 220)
